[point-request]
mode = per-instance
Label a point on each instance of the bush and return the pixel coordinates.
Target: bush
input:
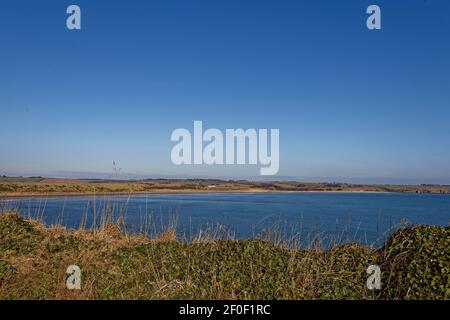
(417, 263)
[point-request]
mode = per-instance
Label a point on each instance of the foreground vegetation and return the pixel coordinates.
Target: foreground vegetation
(415, 264)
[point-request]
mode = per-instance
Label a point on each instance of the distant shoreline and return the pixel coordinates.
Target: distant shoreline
(24, 187)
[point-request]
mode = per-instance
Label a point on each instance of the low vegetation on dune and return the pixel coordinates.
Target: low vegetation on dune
(414, 261)
(19, 186)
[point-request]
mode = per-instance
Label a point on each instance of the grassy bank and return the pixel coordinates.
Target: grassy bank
(415, 264)
(38, 186)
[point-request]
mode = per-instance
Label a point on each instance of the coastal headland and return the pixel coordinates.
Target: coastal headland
(42, 186)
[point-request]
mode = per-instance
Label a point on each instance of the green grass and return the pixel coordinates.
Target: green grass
(20, 186)
(34, 258)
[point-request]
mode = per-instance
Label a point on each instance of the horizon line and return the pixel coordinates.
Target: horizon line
(76, 175)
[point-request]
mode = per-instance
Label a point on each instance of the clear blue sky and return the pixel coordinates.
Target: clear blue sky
(349, 102)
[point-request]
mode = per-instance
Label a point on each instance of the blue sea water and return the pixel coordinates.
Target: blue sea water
(343, 217)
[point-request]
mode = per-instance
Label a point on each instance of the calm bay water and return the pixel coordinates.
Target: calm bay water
(362, 217)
